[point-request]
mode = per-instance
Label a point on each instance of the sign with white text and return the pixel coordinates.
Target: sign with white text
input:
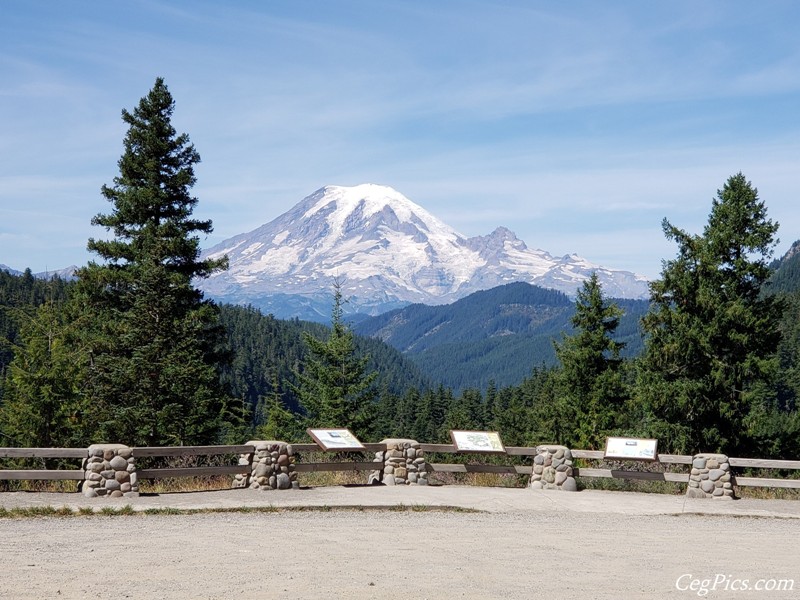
(335, 439)
(631, 448)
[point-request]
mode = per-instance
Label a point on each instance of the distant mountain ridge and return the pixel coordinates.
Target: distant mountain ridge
(386, 252)
(67, 273)
(496, 335)
(786, 271)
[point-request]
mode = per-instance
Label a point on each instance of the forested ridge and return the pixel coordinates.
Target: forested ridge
(495, 335)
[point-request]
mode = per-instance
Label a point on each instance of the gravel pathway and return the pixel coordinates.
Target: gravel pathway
(389, 554)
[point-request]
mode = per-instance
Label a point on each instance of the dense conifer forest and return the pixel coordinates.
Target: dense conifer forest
(266, 354)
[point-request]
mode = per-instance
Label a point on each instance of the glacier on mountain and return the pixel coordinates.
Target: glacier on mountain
(385, 251)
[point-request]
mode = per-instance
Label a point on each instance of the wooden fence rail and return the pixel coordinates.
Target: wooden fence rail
(305, 449)
(43, 453)
(42, 474)
(175, 451)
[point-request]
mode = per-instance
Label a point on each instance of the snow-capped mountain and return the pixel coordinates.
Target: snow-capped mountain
(385, 251)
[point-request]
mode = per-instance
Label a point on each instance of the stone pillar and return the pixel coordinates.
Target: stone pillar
(552, 469)
(710, 477)
(271, 467)
(403, 463)
(110, 471)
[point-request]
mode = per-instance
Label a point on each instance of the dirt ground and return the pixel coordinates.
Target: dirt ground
(391, 554)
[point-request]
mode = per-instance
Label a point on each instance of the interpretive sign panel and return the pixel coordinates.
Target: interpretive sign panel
(631, 448)
(335, 439)
(477, 441)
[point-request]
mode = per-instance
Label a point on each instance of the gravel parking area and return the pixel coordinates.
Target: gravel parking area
(390, 554)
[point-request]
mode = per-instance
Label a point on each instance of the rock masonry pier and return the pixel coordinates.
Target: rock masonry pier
(710, 477)
(271, 467)
(110, 471)
(552, 469)
(403, 462)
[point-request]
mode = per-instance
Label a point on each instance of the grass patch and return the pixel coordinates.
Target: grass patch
(128, 510)
(39, 485)
(631, 485)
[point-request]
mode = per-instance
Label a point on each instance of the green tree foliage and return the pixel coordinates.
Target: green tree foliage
(265, 354)
(591, 388)
(19, 297)
(431, 415)
(532, 413)
(154, 341)
(711, 334)
(44, 403)
(335, 388)
(789, 356)
(786, 272)
(278, 422)
(776, 426)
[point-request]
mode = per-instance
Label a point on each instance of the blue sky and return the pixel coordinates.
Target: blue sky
(578, 125)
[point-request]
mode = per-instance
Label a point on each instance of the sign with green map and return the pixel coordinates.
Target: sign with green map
(335, 439)
(477, 441)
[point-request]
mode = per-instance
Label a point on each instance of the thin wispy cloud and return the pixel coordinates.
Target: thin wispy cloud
(579, 125)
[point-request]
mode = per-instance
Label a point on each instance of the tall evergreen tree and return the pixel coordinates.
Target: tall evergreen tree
(335, 388)
(711, 335)
(155, 341)
(591, 388)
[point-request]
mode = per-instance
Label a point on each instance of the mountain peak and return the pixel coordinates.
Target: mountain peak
(368, 206)
(385, 251)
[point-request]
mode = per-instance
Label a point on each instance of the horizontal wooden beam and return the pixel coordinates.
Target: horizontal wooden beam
(375, 447)
(43, 453)
(501, 469)
(667, 459)
(306, 448)
(591, 454)
(521, 451)
(298, 448)
(192, 472)
(645, 475)
(342, 466)
(444, 448)
(763, 482)
(675, 459)
(763, 463)
(191, 450)
(43, 474)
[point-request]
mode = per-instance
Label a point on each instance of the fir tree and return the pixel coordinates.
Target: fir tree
(591, 390)
(335, 388)
(710, 357)
(155, 342)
